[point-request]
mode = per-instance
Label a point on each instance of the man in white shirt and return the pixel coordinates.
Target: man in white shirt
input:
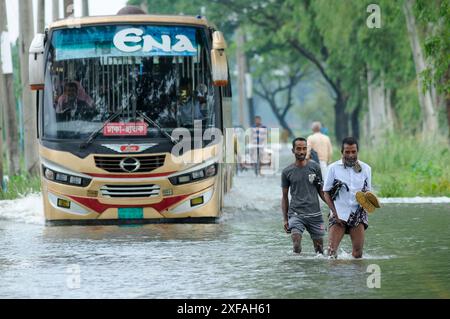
(345, 178)
(322, 145)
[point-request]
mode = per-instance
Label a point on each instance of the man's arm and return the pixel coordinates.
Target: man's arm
(327, 199)
(322, 196)
(285, 207)
(330, 204)
(319, 185)
(327, 186)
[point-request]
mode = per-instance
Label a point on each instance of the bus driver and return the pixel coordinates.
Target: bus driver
(70, 106)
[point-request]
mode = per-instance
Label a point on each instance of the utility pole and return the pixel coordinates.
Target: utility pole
(240, 57)
(245, 79)
(41, 16)
(249, 93)
(7, 98)
(1, 144)
(26, 33)
(3, 100)
(69, 8)
(55, 10)
(85, 6)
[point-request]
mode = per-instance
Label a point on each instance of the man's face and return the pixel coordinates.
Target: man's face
(257, 121)
(71, 92)
(300, 150)
(184, 96)
(350, 154)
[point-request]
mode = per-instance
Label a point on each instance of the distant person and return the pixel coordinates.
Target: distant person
(321, 144)
(345, 178)
(259, 131)
(304, 181)
(70, 107)
(188, 106)
(80, 93)
(259, 140)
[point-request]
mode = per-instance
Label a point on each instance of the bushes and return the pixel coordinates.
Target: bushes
(20, 186)
(404, 166)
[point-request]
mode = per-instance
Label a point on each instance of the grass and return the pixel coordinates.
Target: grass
(408, 167)
(20, 186)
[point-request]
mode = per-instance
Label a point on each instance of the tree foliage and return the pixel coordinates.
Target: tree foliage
(332, 37)
(435, 19)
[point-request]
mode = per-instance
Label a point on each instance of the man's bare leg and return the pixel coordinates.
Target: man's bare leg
(357, 237)
(336, 233)
(318, 245)
(297, 241)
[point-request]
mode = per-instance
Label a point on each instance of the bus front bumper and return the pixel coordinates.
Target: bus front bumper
(202, 205)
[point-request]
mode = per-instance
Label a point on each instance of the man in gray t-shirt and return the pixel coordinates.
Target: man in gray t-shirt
(304, 180)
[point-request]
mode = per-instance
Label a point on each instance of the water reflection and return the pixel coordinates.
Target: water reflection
(138, 233)
(246, 256)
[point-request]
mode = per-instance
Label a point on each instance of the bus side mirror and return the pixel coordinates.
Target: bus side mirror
(219, 60)
(36, 63)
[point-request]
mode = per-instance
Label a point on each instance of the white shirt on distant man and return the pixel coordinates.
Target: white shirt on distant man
(322, 145)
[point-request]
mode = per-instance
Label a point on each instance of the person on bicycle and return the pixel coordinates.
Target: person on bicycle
(258, 143)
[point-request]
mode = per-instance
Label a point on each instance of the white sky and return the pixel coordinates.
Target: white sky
(96, 7)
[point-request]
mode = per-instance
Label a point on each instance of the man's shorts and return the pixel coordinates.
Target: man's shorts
(314, 225)
(356, 218)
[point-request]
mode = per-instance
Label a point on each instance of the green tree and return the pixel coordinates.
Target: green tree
(434, 17)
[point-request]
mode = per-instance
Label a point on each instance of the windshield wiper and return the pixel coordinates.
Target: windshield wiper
(91, 138)
(145, 117)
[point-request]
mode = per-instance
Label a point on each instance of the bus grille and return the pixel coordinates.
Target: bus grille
(117, 191)
(112, 164)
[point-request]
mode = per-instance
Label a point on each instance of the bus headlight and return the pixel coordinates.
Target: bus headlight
(63, 178)
(49, 174)
(198, 175)
(195, 176)
(211, 170)
(75, 180)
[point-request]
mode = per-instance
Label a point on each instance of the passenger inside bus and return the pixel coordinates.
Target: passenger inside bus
(188, 105)
(202, 92)
(72, 106)
(81, 95)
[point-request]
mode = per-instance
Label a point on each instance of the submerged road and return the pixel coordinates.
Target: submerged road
(246, 255)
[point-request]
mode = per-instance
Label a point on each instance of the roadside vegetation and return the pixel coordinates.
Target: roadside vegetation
(20, 186)
(407, 167)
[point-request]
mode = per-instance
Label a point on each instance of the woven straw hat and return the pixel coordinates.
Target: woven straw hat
(368, 201)
(373, 199)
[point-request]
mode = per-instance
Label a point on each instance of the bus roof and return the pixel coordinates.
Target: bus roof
(137, 18)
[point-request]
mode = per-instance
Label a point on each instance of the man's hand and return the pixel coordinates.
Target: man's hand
(338, 221)
(285, 208)
(64, 111)
(286, 227)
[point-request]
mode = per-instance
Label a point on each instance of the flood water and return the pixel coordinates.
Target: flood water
(246, 255)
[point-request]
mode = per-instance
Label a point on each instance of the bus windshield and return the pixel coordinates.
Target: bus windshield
(160, 73)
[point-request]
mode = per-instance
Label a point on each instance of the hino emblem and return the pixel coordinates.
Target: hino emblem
(130, 164)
